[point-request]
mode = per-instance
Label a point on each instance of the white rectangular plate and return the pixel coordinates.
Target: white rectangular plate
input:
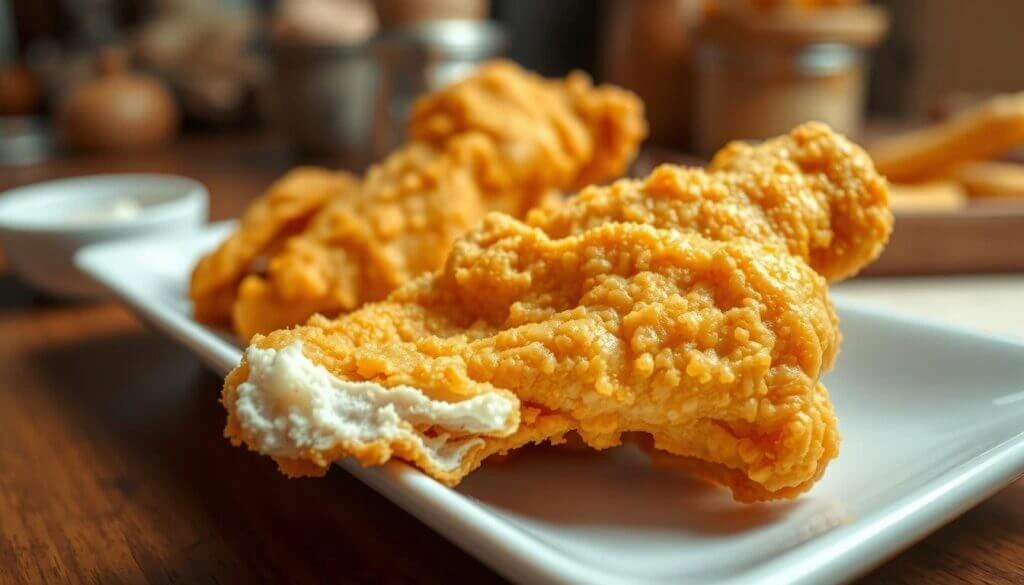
(931, 419)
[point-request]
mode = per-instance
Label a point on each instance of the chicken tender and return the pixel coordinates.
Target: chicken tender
(500, 139)
(398, 223)
(689, 308)
(541, 134)
(282, 211)
(712, 348)
(811, 191)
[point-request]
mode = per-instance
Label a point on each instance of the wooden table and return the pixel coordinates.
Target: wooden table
(113, 468)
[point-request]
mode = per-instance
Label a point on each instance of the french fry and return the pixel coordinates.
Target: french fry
(991, 179)
(942, 195)
(983, 132)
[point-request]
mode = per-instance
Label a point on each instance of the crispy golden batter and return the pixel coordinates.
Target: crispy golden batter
(714, 349)
(812, 191)
(541, 134)
(353, 355)
(398, 223)
(281, 212)
(501, 139)
(678, 307)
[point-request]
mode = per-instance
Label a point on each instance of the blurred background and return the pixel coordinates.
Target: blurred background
(332, 80)
(217, 55)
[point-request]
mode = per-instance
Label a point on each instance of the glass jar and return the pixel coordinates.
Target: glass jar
(756, 79)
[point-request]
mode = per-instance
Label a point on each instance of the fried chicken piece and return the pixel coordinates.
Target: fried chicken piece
(440, 428)
(677, 307)
(282, 211)
(398, 223)
(541, 134)
(503, 138)
(258, 308)
(811, 191)
(714, 349)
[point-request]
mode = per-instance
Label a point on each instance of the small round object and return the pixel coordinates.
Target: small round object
(19, 91)
(118, 110)
(42, 226)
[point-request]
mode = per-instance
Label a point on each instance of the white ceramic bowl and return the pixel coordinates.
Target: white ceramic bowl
(43, 225)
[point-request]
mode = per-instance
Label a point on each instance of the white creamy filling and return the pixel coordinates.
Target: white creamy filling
(289, 404)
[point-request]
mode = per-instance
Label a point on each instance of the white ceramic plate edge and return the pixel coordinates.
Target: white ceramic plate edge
(220, 355)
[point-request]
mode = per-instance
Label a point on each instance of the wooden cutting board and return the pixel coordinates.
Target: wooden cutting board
(987, 236)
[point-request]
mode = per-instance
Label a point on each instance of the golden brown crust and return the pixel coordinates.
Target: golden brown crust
(399, 223)
(280, 212)
(812, 191)
(501, 139)
(713, 348)
(743, 488)
(340, 351)
(538, 134)
(680, 306)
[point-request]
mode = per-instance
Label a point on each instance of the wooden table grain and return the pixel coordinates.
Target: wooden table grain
(113, 468)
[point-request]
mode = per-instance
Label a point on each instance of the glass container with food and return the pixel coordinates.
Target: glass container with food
(760, 73)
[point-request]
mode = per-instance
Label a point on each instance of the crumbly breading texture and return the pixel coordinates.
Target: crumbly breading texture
(714, 349)
(540, 134)
(812, 191)
(501, 139)
(689, 307)
(399, 223)
(282, 211)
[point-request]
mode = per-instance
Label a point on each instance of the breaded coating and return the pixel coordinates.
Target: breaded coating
(811, 191)
(347, 348)
(502, 138)
(279, 213)
(540, 134)
(713, 349)
(400, 222)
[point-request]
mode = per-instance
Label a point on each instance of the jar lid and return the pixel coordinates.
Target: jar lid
(862, 26)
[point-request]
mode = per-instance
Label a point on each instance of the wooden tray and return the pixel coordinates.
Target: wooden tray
(987, 236)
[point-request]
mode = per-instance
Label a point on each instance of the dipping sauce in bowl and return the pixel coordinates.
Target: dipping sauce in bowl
(123, 209)
(43, 225)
